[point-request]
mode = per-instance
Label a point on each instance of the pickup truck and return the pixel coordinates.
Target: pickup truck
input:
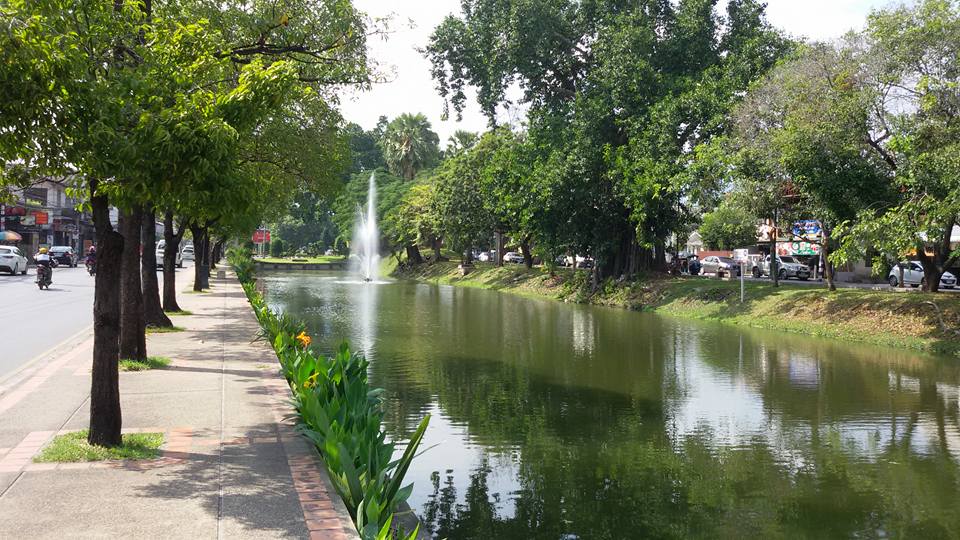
(787, 267)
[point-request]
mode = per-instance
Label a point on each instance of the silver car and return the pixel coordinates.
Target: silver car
(721, 266)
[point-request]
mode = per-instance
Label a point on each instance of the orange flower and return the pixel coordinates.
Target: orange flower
(311, 380)
(304, 339)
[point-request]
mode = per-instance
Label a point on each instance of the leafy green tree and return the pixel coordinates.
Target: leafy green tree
(620, 95)
(910, 58)
(410, 145)
(416, 220)
(157, 99)
(459, 203)
(728, 228)
(804, 144)
(460, 142)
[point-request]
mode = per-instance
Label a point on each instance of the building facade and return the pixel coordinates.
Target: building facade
(45, 215)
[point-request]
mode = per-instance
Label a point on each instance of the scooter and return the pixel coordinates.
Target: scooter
(44, 277)
(91, 266)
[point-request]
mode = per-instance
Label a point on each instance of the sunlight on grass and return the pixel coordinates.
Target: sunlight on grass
(181, 312)
(164, 329)
(152, 362)
(73, 447)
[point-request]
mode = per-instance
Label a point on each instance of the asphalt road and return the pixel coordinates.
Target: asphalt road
(33, 322)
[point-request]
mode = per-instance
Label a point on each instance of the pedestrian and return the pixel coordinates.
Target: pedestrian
(694, 266)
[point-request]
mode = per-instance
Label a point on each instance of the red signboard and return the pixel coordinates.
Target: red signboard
(42, 218)
(261, 237)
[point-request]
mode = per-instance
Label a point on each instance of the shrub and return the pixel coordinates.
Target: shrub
(241, 259)
(276, 248)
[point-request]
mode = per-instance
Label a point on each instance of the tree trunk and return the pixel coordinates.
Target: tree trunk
(774, 267)
(105, 416)
(436, 249)
(133, 338)
(825, 253)
(501, 248)
(527, 256)
(413, 254)
(931, 277)
(171, 247)
(201, 272)
(152, 310)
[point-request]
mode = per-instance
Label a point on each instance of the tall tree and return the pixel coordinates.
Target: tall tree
(620, 94)
(910, 58)
(410, 145)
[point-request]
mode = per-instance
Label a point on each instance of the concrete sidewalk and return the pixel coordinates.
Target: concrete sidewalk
(230, 468)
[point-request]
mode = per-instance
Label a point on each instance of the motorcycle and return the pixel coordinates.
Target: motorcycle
(91, 266)
(44, 277)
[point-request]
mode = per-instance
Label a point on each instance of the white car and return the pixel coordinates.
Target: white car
(12, 260)
(513, 257)
(187, 252)
(486, 256)
(913, 276)
(160, 248)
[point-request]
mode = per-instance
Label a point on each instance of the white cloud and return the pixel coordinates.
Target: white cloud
(411, 89)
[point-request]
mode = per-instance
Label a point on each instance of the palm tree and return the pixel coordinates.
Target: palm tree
(409, 145)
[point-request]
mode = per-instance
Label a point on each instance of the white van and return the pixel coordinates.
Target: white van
(160, 248)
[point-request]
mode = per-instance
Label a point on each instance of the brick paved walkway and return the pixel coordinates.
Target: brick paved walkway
(230, 466)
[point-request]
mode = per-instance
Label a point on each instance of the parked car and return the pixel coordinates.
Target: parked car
(913, 276)
(64, 255)
(513, 257)
(161, 246)
(721, 266)
(329, 253)
(187, 252)
(487, 256)
(787, 267)
(12, 260)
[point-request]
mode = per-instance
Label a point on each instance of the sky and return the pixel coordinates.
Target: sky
(409, 87)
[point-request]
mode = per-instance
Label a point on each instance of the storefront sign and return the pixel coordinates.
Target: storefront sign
(41, 218)
(798, 248)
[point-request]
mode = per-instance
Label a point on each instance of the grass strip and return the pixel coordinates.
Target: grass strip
(164, 329)
(152, 362)
(73, 447)
(183, 312)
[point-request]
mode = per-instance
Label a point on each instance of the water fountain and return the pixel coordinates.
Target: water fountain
(366, 237)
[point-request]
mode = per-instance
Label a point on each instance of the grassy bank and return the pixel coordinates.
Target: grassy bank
(905, 320)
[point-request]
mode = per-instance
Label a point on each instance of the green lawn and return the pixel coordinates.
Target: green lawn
(181, 312)
(73, 447)
(303, 260)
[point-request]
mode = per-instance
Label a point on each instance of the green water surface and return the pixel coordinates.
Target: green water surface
(568, 422)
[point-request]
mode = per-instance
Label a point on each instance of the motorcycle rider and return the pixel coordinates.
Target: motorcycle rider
(91, 260)
(42, 258)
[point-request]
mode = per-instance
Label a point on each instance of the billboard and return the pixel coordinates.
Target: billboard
(261, 237)
(808, 229)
